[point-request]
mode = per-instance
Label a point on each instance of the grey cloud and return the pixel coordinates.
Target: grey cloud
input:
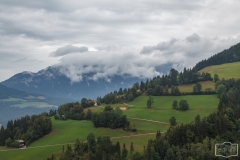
(67, 50)
(33, 29)
(193, 38)
(121, 61)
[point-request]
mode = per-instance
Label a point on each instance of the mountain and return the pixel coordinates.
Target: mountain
(53, 83)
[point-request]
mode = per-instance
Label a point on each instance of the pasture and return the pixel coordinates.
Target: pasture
(227, 71)
(189, 87)
(66, 132)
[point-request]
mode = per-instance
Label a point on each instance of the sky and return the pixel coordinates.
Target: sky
(113, 37)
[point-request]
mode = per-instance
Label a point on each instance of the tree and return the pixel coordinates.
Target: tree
(221, 89)
(173, 77)
(183, 105)
(172, 121)
(175, 104)
(108, 108)
(216, 78)
(197, 88)
(84, 102)
(137, 156)
(91, 143)
(124, 152)
(89, 114)
(150, 102)
(131, 148)
(120, 92)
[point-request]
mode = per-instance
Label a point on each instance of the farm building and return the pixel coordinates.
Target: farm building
(22, 143)
(123, 108)
(93, 100)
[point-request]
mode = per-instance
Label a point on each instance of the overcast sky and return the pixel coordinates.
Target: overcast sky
(113, 36)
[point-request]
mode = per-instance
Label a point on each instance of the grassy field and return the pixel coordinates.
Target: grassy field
(189, 87)
(66, 132)
(162, 108)
(227, 71)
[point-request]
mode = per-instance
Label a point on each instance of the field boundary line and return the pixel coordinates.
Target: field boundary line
(51, 145)
(149, 120)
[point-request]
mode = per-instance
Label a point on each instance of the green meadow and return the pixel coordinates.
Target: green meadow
(189, 87)
(66, 132)
(162, 111)
(227, 71)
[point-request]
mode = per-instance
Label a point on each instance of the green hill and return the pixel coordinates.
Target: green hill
(227, 71)
(66, 132)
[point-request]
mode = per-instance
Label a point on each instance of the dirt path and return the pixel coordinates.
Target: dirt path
(149, 120)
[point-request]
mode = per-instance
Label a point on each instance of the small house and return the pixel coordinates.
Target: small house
(93, 101)
(21, 143)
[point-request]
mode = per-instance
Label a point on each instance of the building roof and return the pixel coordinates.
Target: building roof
(20, 141)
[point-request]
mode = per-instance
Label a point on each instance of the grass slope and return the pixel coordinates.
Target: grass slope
(227, 71)
(65, 132)
(189, 87)
(162, 108)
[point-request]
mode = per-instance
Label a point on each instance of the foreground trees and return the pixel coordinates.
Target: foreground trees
(27, 128)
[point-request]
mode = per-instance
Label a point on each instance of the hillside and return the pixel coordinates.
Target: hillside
(65, 132)
(226, 71)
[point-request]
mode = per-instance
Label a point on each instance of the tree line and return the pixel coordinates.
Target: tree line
(226, 56)
(100, 148)
(26, 128)
(75, 110)
(159, 86)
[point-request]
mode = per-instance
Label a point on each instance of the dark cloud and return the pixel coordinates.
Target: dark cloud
(67, 50)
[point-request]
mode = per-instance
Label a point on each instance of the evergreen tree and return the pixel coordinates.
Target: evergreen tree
(124, 152)
(131, 148)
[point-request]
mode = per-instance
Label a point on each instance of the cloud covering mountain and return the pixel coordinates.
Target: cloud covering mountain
(30, 30)
(140, 63)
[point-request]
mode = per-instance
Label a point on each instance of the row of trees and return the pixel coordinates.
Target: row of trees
(74, 111)
(158, 86)
(101, 148)
(27, 128)
(111, 118)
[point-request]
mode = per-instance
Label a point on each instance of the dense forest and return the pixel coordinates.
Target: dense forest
(227, 56)
(27, 128)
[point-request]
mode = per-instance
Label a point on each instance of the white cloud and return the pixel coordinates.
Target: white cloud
(67, 50)
(127, 61)
(30, 30)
